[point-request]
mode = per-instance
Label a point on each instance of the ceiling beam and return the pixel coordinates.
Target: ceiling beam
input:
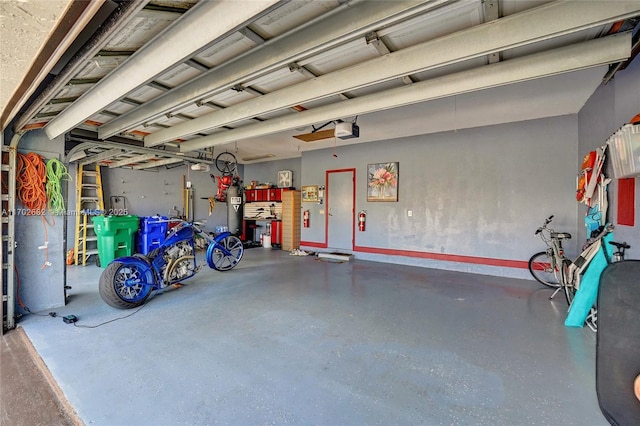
(252, 35)
(516, 30)
(194, 32)
(131, 160)
(105, 155)
(116, 21)
(562, 60)
(491, 9)
(87, 141)
(54, 40)
(349, 22)
(159, 163)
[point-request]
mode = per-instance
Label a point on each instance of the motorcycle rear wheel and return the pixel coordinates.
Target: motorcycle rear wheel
(124, 286)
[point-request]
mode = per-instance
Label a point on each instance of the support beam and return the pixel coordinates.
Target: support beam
(571, 58)
(105, 155)
(252, 35)
(159, 86)
(159, 163)
(197, 65)
(348, 23)
(377, 43)
(121, 17)
(516, 30)
(491, 9)
(194, 32)
(132, 160)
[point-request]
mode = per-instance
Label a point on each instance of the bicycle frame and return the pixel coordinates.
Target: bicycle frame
(567, 271)
(555, 251)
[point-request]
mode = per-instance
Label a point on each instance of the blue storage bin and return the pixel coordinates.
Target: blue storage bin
(153, 224)
(151, 234)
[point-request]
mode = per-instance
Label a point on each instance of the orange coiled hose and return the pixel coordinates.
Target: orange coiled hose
(31, 178)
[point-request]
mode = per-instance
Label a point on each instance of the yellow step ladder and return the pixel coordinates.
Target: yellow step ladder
(89, 202)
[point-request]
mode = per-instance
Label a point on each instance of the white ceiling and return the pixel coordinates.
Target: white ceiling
(268, 70)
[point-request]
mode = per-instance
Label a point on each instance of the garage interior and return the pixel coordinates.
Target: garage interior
(428, 313)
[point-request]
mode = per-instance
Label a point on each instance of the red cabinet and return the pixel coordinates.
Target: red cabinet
(250, 195)
(269, 194)
(274, 194)
(276, 233)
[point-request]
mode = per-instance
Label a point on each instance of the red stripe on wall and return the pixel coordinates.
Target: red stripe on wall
(489, 261)
(447, 257)
(626, 201)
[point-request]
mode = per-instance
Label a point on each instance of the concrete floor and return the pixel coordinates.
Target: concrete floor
(295, 340)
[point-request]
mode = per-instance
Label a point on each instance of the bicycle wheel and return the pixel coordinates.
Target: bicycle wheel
(541, 270)
(226, 162)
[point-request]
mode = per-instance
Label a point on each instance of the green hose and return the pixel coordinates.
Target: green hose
(56, 172)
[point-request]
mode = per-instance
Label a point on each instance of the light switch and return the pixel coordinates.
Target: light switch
(409, 213)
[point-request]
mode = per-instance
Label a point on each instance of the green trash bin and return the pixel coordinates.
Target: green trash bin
(115, 236)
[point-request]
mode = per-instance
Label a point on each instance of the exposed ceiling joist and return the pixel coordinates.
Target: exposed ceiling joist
(105, 155)
(566, 59)
(195, 31)
(159, 163)
(491, 9)
(351, 22)
(117, 20)
(513, 31)
(132, 160)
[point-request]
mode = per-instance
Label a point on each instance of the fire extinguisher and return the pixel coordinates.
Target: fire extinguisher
(306, 218)
(362, 220)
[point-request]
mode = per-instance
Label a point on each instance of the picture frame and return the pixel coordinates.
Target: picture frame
(310, 193)
(382, 182)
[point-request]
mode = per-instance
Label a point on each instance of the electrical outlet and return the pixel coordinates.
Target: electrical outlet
(410, 213)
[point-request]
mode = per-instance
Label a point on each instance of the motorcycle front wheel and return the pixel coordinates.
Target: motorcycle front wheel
(225, 261)
(125, 286)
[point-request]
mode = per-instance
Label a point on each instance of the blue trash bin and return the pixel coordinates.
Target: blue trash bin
(151, 233)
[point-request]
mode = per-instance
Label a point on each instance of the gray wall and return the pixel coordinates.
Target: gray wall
(478, 192)
(608, 109)
(267, 172)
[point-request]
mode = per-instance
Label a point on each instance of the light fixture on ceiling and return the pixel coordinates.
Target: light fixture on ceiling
(258, 157)
(200, 167)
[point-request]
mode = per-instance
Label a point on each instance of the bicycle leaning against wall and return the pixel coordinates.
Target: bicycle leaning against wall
(553, 269)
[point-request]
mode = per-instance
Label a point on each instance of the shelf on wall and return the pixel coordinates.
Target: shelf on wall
(624, 151)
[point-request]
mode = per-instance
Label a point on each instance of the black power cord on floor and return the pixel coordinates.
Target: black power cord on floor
(74, 320)
(75, 323)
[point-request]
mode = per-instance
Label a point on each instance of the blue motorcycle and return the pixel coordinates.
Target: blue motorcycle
(127, 282)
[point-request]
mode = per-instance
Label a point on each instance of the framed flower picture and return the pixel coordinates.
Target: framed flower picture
(382, 182)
